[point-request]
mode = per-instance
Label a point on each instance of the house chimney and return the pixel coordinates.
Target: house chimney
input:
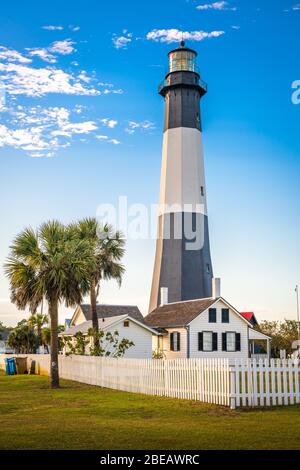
(216, 287)
(163, 295)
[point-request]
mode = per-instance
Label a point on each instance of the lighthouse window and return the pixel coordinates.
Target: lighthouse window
(182, 60)
(202, 191)
(207, 268)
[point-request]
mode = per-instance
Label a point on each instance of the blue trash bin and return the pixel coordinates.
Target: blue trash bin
(11, 368)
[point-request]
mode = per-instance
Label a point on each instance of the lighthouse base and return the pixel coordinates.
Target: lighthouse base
(182, 261)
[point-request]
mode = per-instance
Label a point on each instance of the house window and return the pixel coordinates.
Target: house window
(225, 315)
(175, 341)
(230, 341)
(212, 315)
(126, 323)
(207, 341)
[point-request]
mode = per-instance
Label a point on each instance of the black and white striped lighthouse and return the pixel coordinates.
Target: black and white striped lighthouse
(182, 260)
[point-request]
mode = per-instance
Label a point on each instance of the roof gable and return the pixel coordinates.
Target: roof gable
(106, 311)
(104, 324)
(250, 317)
(179, 314)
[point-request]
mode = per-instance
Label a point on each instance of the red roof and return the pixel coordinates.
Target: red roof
(247, 315)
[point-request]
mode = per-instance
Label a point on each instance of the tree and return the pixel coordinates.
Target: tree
(107, 246)
(4, 331)
(283, 333)
(109, 343)
(37, 321)
(22, 338)
(49, 263)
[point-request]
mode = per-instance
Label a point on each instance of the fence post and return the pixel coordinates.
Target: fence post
(232, 378)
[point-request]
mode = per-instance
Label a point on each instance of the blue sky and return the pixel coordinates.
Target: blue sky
(82, 125)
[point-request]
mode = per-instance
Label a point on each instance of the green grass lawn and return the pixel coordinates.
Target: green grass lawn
(80, 416)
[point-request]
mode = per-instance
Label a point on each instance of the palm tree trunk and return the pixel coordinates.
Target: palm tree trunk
(53, 313)
(93, 300)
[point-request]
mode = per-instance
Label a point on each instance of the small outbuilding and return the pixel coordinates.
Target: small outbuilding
(125, 319)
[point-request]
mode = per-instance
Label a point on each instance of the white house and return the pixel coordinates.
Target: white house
(125, 319)
(203, 328)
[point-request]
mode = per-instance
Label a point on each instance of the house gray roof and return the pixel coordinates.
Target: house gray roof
(104, 324)
(86, 325)
(105, 311)
(177, 314)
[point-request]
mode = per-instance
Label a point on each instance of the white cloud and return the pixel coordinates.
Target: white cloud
(10, 55)
(235, 27)
(108, 91)
(296, 7)
(53, 28)
(175, 35)
(42, 54)
(216, 6)
(102, 137)
(77, 128)
(74, 28)
(20, 79)
(58, 47)
(41, 132)
(64, 47)
(143, 125)
(105, 138)
(121, 42)
(84, 77)
(111, 123)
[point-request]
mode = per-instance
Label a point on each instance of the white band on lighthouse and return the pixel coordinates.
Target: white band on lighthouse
(182, 187)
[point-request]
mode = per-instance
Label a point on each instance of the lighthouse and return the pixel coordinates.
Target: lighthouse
(182, 266)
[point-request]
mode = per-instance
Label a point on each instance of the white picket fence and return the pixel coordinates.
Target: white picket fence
(265, 383)
(247, 383)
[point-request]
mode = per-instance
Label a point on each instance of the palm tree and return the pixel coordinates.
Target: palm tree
(49, 263)
(37, 321)
(108, 249)
(46, 337)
